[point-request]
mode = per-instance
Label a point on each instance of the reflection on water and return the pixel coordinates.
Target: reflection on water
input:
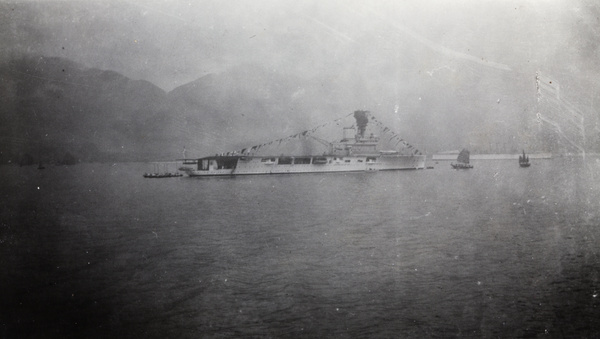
(496, 251)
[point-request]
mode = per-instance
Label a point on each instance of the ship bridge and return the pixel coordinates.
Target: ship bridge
(356, 144)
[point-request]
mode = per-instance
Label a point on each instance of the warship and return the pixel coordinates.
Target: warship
(355, 152)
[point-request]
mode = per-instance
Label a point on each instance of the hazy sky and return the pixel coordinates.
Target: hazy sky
(173, 42)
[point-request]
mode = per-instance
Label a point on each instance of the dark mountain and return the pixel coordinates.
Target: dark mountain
(52, 106)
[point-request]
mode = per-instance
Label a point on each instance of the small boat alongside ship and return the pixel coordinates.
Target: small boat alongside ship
(524, 160)
(463, 160)
(355, 152)
(161, 174)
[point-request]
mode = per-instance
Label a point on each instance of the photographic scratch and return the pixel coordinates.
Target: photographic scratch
(331, 30)
(435, 70)
(155, 10)
(436, 47)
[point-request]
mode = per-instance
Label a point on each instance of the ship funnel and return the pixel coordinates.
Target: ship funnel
(361, 121)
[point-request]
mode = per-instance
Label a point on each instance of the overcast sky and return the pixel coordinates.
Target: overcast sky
(173, 42)
(442, 64)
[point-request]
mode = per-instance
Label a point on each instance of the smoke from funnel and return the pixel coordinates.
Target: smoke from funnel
(361, 121)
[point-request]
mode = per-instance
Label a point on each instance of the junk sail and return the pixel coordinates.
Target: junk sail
(463, 156)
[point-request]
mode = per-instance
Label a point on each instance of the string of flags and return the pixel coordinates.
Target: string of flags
(384, 129)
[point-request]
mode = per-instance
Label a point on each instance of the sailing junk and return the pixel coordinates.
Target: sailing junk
(524, 160)
(462, 162)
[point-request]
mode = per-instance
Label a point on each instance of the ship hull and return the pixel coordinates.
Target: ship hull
(321, 164)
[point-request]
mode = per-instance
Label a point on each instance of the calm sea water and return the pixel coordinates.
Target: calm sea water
(95, 250)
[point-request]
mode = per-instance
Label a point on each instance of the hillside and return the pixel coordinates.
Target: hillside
(52, 106)
(54, 110)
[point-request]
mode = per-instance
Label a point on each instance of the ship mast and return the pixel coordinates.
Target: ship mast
(323, 142)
